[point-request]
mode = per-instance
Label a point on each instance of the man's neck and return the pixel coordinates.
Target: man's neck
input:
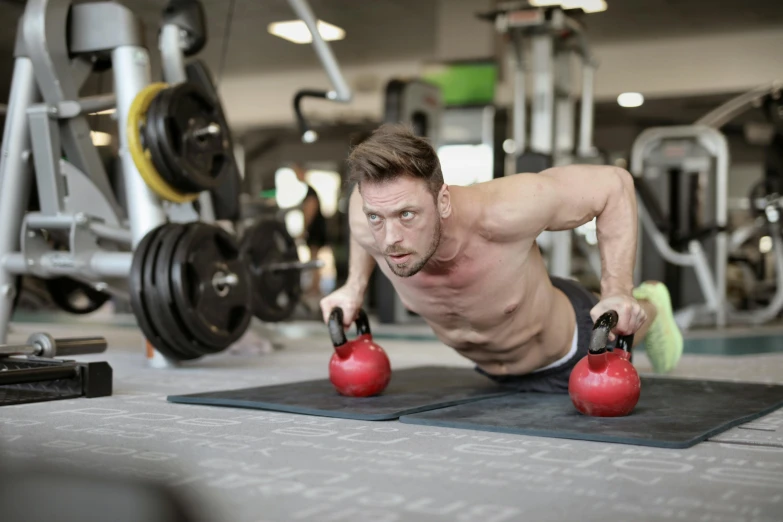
(452, 243)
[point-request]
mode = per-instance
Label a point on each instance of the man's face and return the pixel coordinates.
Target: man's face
(405, 221)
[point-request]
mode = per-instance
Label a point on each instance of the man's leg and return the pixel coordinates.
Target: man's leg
(662, 338)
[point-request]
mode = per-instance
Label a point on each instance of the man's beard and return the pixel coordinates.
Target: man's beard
(406, 270)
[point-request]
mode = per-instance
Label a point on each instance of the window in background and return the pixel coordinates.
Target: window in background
(290, 193)
(326, 184)
(466, 164)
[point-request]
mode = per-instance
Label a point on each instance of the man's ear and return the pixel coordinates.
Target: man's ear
(444, 201)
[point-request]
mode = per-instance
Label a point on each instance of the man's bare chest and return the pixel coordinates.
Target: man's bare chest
(484, 286)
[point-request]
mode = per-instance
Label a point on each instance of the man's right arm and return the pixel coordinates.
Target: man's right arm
(361, 263)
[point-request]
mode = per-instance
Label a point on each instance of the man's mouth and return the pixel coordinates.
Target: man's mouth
(399, 258)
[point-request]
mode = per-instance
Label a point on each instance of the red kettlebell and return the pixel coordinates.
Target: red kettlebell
(605, 383)
(358, 368)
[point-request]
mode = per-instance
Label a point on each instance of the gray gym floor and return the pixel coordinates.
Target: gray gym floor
(255, 466)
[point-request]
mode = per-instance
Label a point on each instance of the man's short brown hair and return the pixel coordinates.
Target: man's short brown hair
(393, 151)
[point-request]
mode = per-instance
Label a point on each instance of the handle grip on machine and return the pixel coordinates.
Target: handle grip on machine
(189, 16)
(341, 92)
(308, 135)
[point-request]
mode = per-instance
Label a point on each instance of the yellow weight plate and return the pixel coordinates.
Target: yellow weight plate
(137, 115)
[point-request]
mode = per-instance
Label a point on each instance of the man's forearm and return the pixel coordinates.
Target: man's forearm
(617, 230)
(360, 266)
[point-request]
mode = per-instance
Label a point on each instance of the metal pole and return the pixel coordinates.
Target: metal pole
(341, 91)
(587, 111)
(15, 178)
(542, 132)
(722, 216)
(171, 55)
(131, 74)
(564, 109)
(52, 264)
(520, 96)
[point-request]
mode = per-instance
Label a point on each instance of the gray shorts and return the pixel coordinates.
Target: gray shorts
(555, 380)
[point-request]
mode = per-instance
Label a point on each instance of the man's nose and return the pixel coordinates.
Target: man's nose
(393, 233)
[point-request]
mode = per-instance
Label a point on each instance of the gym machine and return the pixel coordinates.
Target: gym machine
(544, 41)
(190, 283)
(669, 164)
(420, 105)
(681, 176)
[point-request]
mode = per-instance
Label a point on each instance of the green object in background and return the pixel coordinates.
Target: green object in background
(269, 194)
(468, 83)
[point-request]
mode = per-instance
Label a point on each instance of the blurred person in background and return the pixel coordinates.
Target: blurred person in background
(314, 226)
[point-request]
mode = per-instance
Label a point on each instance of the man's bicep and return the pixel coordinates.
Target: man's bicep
(580, 193)
(521, 206)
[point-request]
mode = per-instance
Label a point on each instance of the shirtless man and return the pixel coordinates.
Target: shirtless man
(466, 260)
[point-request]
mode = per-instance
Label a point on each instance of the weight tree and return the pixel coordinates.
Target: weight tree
(47, 135)
(53, 58)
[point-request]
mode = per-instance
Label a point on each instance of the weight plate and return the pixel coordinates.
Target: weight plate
(137, 294)
(74, 296)
(275, 293)
(211, 286)
(170, 313)
(194, 152)
(141, 157)
(152, 142)
(157, 273)
(157, 130)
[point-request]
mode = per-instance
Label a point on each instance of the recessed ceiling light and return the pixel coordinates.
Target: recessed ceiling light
(296, 31)
(630, 99)
(588, 6)
(100, 139)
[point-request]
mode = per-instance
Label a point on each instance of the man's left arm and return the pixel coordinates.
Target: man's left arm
(563, 198)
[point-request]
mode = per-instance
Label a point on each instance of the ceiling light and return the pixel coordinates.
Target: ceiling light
(592, 6)
(296, 31)
(630, 99)
(588, 6)
(100, 139)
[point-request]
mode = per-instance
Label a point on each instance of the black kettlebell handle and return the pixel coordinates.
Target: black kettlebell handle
(600, 336)
(336, 331)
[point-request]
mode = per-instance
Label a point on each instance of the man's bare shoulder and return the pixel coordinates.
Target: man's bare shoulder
(499, 208)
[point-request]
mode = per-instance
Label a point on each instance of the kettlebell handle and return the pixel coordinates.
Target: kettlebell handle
(336, 331)
(600, 336)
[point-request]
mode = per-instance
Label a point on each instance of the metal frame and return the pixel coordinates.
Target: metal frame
(46, 118)
(713, 284)
(553, 115)
(57, 44)
(712, 280)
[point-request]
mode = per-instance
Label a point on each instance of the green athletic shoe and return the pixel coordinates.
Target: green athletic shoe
(663, 342)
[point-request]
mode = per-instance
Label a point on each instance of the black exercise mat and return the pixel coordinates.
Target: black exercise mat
(410, 391)
(671, 413)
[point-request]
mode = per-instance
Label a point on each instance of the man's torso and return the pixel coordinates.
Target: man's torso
(496, 306)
